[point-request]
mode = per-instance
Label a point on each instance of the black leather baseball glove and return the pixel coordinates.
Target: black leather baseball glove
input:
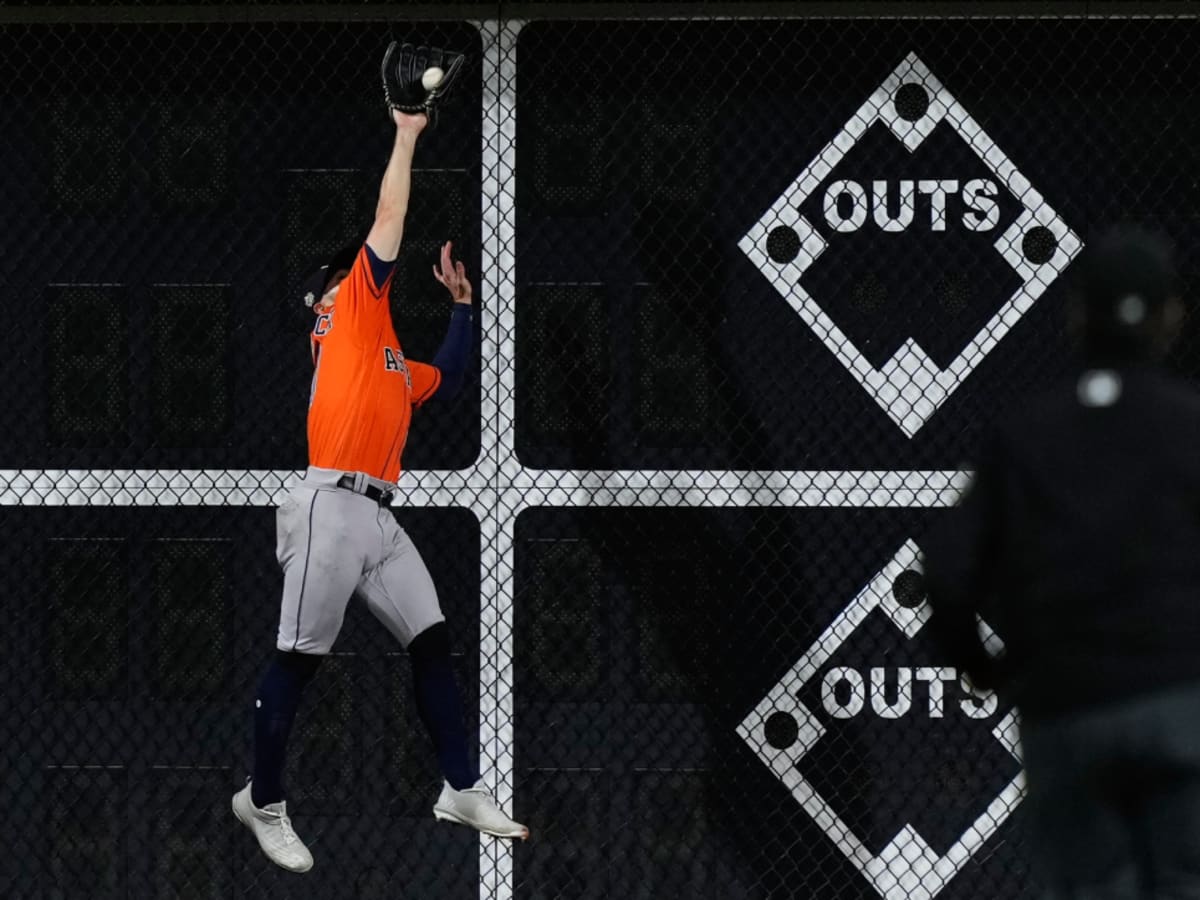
(404, 66)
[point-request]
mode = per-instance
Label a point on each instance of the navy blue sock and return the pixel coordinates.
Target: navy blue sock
(439, 704)
(279, 694)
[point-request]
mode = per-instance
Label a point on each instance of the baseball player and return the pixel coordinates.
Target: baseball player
(335, 535)
(1078, 540)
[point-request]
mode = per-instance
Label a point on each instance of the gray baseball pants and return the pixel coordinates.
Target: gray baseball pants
(332, 544)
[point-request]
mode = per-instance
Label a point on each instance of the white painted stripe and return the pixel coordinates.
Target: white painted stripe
(700, 488)
(523, 488)
(497, 519)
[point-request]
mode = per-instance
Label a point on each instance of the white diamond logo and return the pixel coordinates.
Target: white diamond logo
(910, 386)
(907, 868)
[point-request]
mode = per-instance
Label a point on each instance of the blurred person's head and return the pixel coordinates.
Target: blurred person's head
(1125, 307)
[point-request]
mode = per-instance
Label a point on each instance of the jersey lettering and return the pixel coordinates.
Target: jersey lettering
(324, 324)
(393, 361)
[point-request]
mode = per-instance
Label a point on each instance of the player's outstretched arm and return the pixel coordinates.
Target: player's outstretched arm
(385, 235)
(451, 357)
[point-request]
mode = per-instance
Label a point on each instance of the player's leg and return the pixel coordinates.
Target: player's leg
(319, 552)
(1078, 827)
(260, 805)
(439, 704)
(276, 702)
(401, 594)
(1167, 827)
(317, 548)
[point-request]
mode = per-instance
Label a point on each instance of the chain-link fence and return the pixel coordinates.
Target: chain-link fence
(749, 290)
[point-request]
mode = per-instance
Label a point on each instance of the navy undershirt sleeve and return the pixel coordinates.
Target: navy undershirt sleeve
(380, 269)
(451, 358)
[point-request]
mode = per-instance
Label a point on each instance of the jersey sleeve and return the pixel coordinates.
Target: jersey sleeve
(426, 380)
(365, 303)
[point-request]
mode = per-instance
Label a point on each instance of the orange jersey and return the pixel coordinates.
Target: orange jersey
(363, 390)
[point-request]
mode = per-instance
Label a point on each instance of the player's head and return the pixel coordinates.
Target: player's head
(320, 287)
(1126, 304)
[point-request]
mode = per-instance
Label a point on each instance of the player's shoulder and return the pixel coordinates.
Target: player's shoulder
(360, 266)
(1044, 417)
(362, 293)
(1177, 393)
(1132, 393)
(373, 274)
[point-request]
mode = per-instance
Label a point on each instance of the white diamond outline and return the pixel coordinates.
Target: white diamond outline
(907, 868)
(910, 387)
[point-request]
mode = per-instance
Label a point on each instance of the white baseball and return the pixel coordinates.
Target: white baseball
(432, 78)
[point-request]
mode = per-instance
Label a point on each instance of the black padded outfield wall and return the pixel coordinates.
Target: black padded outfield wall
(750, 291)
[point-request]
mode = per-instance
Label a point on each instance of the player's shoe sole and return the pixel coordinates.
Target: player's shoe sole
(522, 832)
(272, 829)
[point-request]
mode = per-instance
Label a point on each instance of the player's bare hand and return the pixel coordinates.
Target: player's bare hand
(409, 123)
(453, 274)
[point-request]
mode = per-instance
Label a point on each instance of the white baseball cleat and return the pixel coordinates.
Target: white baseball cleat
(474, 806)
(273, 829)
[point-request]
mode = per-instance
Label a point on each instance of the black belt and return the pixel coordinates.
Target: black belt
(370, 491)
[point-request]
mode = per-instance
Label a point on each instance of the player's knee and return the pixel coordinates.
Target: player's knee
(432, 643)
(301, 665)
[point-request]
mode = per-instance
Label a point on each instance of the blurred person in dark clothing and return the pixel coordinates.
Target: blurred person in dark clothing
(1078, 540)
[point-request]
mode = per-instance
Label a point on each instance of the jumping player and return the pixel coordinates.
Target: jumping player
(335, 534)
